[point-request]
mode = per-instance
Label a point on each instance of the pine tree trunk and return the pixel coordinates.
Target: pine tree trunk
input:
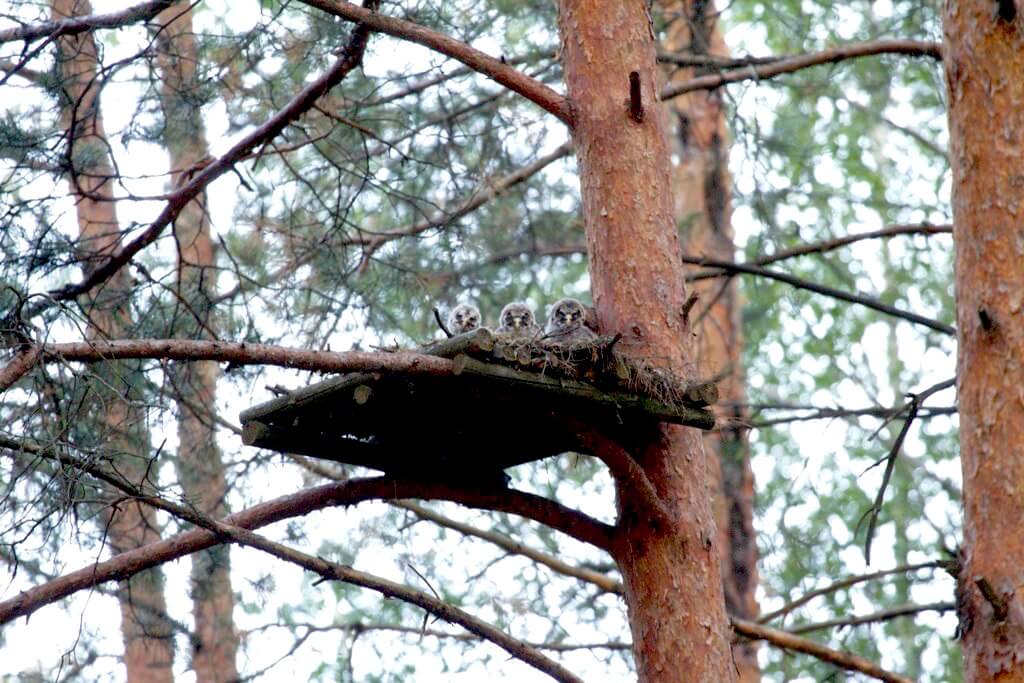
(984, 60)
(702, 186)
(145, 629)
(670, 568)
(199, 464)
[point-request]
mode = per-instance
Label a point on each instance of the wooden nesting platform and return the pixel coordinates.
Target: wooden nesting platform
(486, 417)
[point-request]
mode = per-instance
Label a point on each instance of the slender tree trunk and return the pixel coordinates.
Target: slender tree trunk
(199, 464)
(984, 60)
(702, 186)
(145, 629)
(670, 566)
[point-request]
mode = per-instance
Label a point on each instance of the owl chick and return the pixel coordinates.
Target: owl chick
(566, 323)
(463, 318)
(517, 320)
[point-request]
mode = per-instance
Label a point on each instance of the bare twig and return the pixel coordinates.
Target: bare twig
(484, 194)
(911, 407)
(440, 323)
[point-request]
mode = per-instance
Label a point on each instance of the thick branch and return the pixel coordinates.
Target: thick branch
(127, 564)
(235, 353)
(628, 472)
(762, 72)
(495, 69)
(75, 25)
(225, 531)
(788, 641)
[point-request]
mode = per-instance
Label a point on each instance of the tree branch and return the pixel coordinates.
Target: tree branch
(483, 194)
(495, 69)
(627, 471)
(788, 641)
(799, 283)
(221, 531)
(389, 589)
(124, 565)
(883, 615)
(762, 72)
(912, 406)
(826, 246)
(75, 25)
(351, 58)
(844, 583)
(239, 353)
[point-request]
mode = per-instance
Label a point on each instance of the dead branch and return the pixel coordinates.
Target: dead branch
(495, 69)
(788, 641)
(361, 627)
(223, 531)
(911, 407)
(762, 72)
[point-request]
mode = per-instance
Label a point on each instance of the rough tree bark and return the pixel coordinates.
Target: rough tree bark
(198, 462)
(669, 561)
(984, 60)
(702, 187)
(144, 626)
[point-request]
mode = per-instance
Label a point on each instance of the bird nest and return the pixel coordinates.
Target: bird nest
(508, 401)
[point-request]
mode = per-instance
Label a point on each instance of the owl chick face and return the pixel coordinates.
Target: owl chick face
(517, 317)
(567, 314)
(463, 318)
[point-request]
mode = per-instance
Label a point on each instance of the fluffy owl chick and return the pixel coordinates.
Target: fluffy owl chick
(517, 320)
(463, 318)
(566, 323)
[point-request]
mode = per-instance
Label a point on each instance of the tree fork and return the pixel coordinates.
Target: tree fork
(671, 572)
